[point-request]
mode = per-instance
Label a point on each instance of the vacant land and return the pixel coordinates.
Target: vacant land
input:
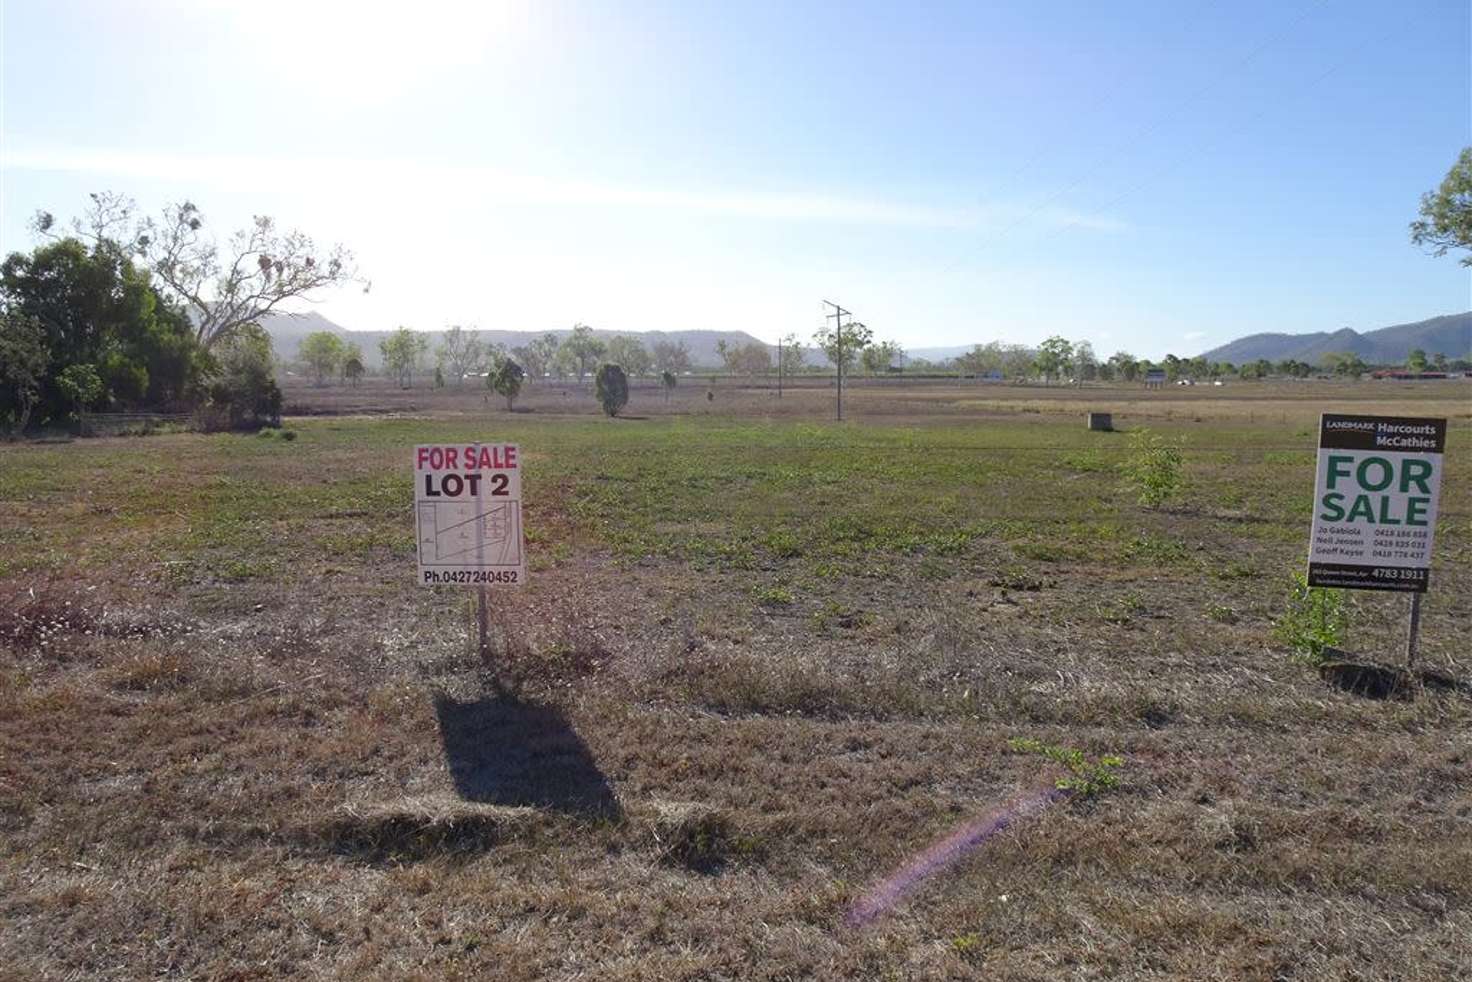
(763, 660)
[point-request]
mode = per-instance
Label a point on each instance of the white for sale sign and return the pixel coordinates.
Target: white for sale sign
(467, 509)
(1379, 481)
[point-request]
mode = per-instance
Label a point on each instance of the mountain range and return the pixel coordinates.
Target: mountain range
(1450, 335)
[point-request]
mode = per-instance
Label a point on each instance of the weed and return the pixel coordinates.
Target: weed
(773, 595)
(1122, 610)
(1016, 577)
(1086, 778)
(1315, 618)
(1154, 468)
(1221, 613)
(1154, 549)
(783, 544)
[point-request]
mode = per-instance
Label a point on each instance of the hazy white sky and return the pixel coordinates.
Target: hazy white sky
(1154, 176)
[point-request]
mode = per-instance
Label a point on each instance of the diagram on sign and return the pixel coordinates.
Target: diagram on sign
(469, 532)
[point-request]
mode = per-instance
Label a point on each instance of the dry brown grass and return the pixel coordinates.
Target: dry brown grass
(299, 768)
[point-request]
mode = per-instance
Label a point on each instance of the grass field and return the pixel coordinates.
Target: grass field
(763, 660)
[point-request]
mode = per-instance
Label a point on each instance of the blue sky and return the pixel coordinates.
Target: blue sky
(1148, 176)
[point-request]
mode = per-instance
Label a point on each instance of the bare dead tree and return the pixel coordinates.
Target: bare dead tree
(258, 269)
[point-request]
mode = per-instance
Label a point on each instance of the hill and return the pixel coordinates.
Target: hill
(1450, 335)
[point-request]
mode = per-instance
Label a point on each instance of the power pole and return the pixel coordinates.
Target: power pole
(837, 316)
(779, 366)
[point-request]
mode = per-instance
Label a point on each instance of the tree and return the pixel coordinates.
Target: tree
(506, 381)
(23, 360)
(612, 386)
(630, 354)
(537, 354)
(1345, 363)
(668, 379)
(1446, 213)
(750, 359)
(1416, 360)
(789, 355)
(461, 351)
(352, 366)
(259, 268)
(1055, 357)
(1438, 361)
(671, 356)
(878, 358)
(1084, 361)
(1125, 365)
(323, 351)
(842, 348)
(81, 386)
(243, 393)
(583, 349)
(98, 308)
(403, 351)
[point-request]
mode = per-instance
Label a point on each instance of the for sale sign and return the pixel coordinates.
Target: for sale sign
(1375, 502)
(467, 511)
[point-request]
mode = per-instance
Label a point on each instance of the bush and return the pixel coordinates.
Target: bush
(612, 386)
(1316, 618)
(243, 394)
(1085, 777)
(506, 381)
(1154, 468)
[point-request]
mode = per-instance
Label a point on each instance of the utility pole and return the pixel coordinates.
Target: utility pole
(779, 366)
(837, 316)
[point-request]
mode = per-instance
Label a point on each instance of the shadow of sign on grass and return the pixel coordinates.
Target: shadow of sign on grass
(502, 751)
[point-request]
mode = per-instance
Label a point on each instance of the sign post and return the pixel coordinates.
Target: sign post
(1375, 500)
(467, 514)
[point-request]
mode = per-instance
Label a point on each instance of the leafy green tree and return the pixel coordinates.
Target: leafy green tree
(877, 358)
(671, 356)
(243, 393)
(1446, 213)
(81, 386)
(506, 381)
(583, 349)
(1438, 361)
(1416, 360)
(403, 352)
(1126, 365)
(23, 360)
(352, 366)
(1085, 362)
(1345, 363)
(97, 308)
(323, 352)
(1055, 357)
(790, 355)
(842, 348)
(630, 354)
(461, 352)
(538, 354)
(612, 387)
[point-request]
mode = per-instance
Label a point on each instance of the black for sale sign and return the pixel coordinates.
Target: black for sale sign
(1379, 479)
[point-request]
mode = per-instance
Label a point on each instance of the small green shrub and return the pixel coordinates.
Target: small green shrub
(612, 386)
(1314, 619)
(288, 435)
(775, 595)
(1154, 469)
(1086, 777)
(1221, 613)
